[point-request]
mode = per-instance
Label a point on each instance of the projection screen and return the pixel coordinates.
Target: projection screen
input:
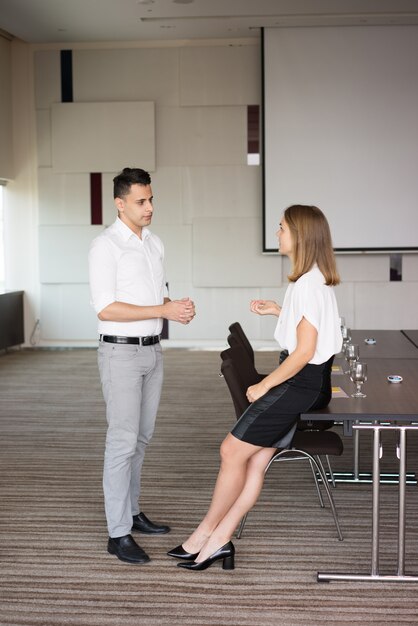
(340, 130)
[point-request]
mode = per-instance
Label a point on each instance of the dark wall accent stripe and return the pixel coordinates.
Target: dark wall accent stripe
(66, 76)
(96, 198)
(253, 129)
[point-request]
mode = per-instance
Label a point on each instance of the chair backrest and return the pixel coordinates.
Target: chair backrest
(235, 385)
(239, 373)
(238, 337)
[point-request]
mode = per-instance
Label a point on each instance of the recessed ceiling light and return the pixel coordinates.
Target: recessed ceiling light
(183, 1)
(145, 1)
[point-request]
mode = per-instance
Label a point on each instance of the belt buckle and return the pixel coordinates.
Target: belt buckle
(147, 341)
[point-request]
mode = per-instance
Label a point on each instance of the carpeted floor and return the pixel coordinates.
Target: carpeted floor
(54, 568)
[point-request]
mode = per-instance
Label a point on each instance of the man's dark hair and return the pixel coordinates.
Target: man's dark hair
(123, 182)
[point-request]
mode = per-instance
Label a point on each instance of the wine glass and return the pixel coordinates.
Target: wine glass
(346, 333)
(358, 374)
(351, 353)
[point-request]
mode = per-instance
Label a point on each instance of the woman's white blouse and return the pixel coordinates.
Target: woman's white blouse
(311, 298)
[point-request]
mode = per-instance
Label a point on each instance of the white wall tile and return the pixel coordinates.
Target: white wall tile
(126, 75)
(168, 201)
(220, 75)
(177, 240)
(63, 252)
(66, 313)
(363, 267)
(43, 138)
(386, 306)
(109, 212)
(222, 191)
(216, 309)
(201, 135)
(345, 294)
(63, 198)
(410, 268)
(227, 253)
(47, 70)
(102, 136)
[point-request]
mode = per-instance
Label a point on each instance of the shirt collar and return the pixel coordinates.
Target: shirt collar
(126, 233)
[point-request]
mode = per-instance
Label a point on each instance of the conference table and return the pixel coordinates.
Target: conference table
(412, 335)
(389, 344)
(387, 407)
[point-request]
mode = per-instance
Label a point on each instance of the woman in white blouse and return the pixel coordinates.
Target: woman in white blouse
(308, 331)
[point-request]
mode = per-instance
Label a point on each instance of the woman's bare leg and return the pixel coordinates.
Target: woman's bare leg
(250, 492)
(232, 476)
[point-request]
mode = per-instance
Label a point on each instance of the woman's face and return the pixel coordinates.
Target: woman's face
(285, 238)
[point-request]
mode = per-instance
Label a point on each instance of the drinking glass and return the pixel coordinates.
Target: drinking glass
(351, 353)
(346, 333)
(358, 375)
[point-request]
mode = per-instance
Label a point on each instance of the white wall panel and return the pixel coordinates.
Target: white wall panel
(227, 253)
(363, 267)
(386, 306)
(63, 253)
(102, 136)
(47, 70)
(166, 183)
(410, 270)
(345, 294)
(220, 75)
(216, 309)
(219, 192)
(109, 212)
(43, 138)
(178, 251)
(63, 198)
(124, 75)
(66, 313)
(201, 135)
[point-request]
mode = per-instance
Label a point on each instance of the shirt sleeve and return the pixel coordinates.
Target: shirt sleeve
(308, 302)
(102, 274)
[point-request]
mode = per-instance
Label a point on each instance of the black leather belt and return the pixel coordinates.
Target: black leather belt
(150, 340)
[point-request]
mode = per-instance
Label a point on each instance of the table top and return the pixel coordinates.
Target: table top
(390, 344)
(384, 402)
(412, 335)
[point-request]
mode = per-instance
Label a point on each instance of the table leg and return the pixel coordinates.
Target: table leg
(374, 575)
(401, 511)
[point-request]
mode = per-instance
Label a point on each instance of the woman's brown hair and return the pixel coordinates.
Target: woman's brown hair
(312, 243)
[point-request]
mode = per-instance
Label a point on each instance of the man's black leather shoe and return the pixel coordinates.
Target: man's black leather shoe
(126, 549)
(142, 524)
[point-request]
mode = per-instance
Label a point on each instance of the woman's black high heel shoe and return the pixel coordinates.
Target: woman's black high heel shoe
(226, 553)
(180, 553)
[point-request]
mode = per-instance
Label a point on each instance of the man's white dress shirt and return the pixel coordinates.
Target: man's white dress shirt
(125, 268)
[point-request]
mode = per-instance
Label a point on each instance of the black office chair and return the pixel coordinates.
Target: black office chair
(300, 445)
(237, 337)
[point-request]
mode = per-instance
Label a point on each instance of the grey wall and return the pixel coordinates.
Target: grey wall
(208, 200)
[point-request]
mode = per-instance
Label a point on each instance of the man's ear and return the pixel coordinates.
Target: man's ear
(119, 204)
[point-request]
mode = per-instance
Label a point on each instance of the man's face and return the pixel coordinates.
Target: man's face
(135, 209)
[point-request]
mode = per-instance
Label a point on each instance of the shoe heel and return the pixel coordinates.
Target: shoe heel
(228, 562)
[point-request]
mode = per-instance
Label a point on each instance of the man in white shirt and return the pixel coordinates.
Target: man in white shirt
(127, 288)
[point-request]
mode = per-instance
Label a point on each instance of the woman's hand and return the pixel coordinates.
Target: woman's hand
(256, 391)
(265, 307)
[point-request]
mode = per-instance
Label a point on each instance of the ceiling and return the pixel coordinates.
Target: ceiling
(77, 21)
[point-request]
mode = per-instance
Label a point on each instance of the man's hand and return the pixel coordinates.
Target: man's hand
(182, 311)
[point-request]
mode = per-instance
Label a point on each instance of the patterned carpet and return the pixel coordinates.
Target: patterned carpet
(54, 568)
